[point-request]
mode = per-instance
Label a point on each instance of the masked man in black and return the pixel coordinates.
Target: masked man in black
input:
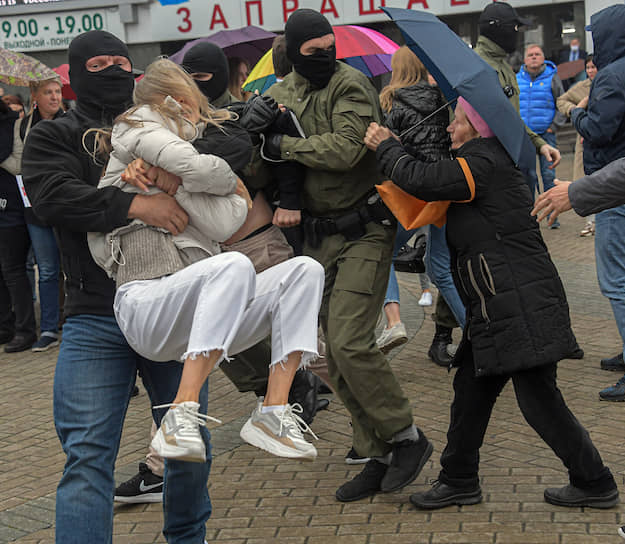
(96, 368)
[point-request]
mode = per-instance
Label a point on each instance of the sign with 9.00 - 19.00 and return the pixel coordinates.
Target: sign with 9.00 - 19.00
(46, 31)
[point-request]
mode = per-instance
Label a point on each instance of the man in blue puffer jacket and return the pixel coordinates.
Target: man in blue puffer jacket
(600, 120)
(539, 88)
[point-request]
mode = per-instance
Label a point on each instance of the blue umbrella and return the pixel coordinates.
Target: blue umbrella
(459, 71)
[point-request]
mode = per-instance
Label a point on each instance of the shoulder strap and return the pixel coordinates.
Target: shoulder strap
(469, 177)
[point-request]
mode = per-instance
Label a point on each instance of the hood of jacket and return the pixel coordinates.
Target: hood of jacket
(608, 35)
(421, 97)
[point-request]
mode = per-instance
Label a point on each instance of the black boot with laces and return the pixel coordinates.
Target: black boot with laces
(365, 484)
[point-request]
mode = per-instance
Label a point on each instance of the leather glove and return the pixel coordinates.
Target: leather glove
(271, 147)
(259, 114)
(285, 124)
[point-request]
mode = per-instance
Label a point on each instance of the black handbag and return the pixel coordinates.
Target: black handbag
(410, 257)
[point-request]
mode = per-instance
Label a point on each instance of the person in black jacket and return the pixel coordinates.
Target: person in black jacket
(96, 368)
(415, 109)
(18, 329)
(518, 324)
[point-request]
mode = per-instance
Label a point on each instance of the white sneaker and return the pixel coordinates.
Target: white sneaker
(391, 338)
(280, 432)
(426, 299)
(179, 436)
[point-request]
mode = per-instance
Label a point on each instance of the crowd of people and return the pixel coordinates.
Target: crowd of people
(199, 228)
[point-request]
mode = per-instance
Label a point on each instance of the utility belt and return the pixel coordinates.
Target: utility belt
(351, 224)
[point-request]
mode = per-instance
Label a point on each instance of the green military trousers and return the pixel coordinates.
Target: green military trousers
(356, 278)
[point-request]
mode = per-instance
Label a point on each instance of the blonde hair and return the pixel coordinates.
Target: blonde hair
(407, 70)
(162, 78)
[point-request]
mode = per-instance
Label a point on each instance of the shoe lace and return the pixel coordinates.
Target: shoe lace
(291, 421)
(192, 414)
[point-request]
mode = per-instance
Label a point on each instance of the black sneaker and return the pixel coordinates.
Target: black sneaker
(614, 364)
(46, 341)
(352, 458)
(365, 484)
(143, 487)
(438, 349)
(442, 495)
(409, 457)
(20, 343)
(572, 496)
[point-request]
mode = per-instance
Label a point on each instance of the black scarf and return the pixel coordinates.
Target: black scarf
(304, 25)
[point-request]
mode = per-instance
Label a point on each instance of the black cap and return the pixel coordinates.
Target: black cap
(504, 14)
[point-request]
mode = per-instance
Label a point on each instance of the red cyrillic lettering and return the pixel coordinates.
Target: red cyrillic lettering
(288, 10)
(218, 18)
(424, 3)
(372, 9)
(329, 9)
(259, 5)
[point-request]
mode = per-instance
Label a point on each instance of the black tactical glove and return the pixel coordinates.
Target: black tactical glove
(260, 112)
(270, 149)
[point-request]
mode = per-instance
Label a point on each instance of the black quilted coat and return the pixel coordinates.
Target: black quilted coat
(430, 141)
(517, 313)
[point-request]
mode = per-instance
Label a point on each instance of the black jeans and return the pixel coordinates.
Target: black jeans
(16, 297)
(544, 409)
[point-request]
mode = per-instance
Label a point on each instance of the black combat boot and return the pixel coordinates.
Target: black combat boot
(438, 350)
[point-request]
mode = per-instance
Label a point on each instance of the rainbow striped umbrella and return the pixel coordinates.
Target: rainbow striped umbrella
(363, 48)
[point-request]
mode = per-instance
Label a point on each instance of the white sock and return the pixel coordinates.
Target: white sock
(273, 408)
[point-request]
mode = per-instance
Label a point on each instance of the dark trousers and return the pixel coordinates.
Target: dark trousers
(544, 409)
(16, 297)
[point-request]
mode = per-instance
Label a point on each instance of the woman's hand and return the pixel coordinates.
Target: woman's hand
(554, 201)
(376, 134)
(243, 193)
(136, 175)
(583, 103)
(164, 180)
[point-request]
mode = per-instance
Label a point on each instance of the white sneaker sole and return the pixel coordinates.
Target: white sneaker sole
(396, 342)
(176, 452)
(138, 499)
(254, 436)
(621, 532)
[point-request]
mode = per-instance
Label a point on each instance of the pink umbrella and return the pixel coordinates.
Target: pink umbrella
(66, 90)
(364, 48)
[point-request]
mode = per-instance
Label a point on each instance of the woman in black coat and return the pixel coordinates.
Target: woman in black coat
(17, 316)
(518, 324)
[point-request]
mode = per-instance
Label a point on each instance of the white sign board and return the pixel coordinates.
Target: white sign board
(197, 18)
(46, 31)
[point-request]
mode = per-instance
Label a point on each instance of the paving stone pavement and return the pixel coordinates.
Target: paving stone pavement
(258, 498)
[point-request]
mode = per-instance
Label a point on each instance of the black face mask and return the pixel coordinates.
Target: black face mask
(503, 34)
(317, 68)
(304, 25)
(210, 59)
(106, 93)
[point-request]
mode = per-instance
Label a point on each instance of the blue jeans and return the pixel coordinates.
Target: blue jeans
(438, 268)
(95, 374)
(610, 258)
(392, 290)
(547, 174)
(47, 257)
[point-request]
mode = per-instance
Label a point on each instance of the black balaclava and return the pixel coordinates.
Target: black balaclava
(498, 22)
(106, 93)
(209, 58)
(304, 25)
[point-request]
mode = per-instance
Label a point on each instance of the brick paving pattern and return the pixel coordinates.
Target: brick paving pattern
(258, 498)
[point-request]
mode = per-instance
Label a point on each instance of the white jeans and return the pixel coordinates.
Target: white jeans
(220, 303)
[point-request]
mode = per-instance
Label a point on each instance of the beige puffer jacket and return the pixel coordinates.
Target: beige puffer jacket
(206, 194)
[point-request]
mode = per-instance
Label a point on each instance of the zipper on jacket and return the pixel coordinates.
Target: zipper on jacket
(479, 293)
(488, 277)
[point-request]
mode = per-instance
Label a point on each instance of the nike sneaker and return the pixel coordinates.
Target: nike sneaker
(280, 432)
(142, 487)
(179, 435)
